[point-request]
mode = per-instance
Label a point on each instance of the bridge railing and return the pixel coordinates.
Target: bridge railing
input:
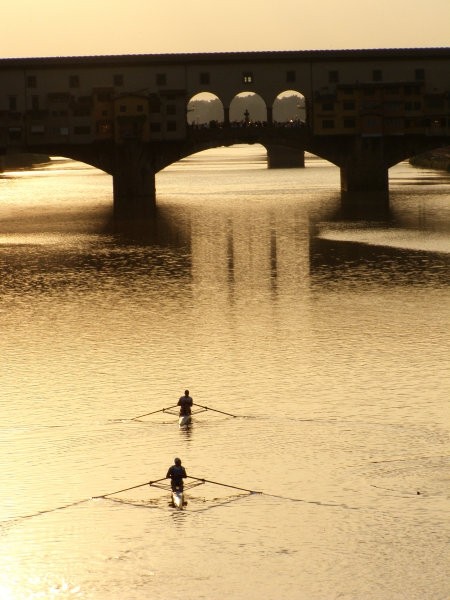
(259, 131)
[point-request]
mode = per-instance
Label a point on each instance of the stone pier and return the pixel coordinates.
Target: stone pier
(282, 157)
(134, 189)
(364, 168)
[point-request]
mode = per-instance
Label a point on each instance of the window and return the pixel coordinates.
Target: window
(35, 102)
(290, 76)
(205, 78)
(118, 80)
(349, 105)
(377, 75)
(31, 81)
(171, 109)
(37, 129)
(349, 123)
(155, 127)
(104, 127)
(247, 77)
(74, 81)
(140, 108)
(419, 74)
(328, 124)
(161, 79)
(15, 133)
(327, 106)
(171, 126)
(122, 108)
(333, 76)
(58, 97)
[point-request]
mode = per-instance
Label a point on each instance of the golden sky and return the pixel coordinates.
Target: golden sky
(86, 27)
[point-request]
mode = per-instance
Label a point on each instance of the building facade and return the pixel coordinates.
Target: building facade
(79, 100)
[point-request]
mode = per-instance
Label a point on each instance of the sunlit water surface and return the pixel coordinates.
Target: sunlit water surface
(327, 336)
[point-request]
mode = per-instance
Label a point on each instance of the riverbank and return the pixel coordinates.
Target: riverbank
(434, 159)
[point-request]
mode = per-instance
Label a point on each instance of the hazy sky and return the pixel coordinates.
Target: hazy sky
(86, 27)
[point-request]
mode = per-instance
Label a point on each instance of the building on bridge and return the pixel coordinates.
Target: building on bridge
(381, 109)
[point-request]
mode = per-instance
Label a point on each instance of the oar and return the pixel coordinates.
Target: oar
(129, 488)
(214, 409)
(154, 412)
(223, 484)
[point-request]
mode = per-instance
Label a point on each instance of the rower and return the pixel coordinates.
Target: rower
(176, 474)
(185, 403)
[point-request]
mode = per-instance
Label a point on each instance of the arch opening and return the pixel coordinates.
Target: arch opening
(248, 109)
(289, 109)
(204, 110)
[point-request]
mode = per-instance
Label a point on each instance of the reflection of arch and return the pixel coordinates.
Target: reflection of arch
(248, 108)
(205, 108)
(289, 107)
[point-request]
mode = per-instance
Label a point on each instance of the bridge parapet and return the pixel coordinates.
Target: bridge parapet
(265, 134)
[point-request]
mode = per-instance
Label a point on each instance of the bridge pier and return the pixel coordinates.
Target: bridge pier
(282, 157)
(134, 189)
(364, 167)
(364, 176)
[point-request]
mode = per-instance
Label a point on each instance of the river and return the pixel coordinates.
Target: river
(326, 336)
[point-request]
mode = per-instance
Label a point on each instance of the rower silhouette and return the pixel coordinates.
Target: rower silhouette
(185, 403)
(176, 474)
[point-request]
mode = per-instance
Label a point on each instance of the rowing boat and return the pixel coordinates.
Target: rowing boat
(184, 420)
(178, 499)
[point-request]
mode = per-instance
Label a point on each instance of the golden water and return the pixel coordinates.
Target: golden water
(329, 338)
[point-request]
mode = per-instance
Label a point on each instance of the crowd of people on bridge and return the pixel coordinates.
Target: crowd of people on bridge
(214, 124)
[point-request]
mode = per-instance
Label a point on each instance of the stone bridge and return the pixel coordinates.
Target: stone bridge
(364, 110)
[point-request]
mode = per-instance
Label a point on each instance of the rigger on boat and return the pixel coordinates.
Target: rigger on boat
(184, 418)
(177, 492)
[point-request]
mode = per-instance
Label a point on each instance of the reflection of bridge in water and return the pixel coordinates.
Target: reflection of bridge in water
(365, 111)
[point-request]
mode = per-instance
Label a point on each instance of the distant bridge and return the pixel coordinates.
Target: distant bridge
(365, 111)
